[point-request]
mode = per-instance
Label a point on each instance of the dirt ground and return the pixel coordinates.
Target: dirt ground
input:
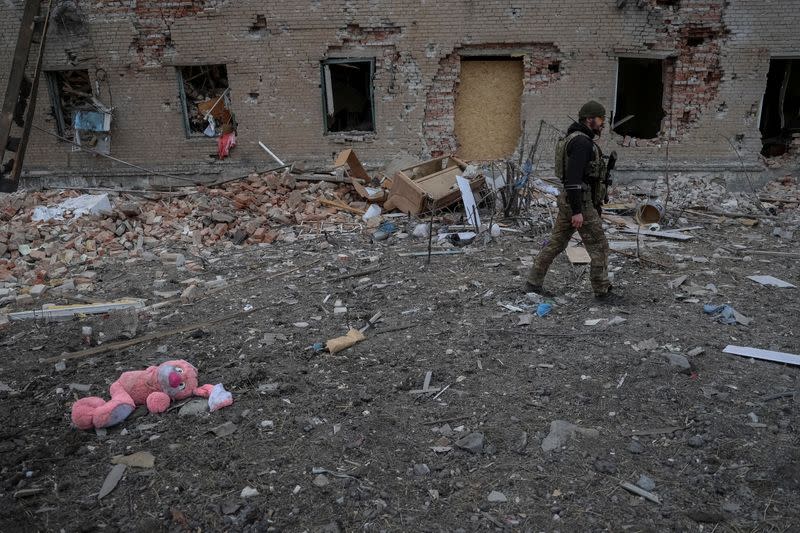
(339, 443)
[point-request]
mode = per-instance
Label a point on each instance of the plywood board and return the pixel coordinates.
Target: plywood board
(578, 256)
(488, 105)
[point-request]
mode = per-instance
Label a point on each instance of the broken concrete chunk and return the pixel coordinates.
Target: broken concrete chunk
(249, 492)
(421, 469)
(561, 431)
(646, 483)
(472, 442)
(194, 408)
(497, 497)
(190, 294)
(138, 459)
(223, 430)
(37, 290)
(695, 351)
(678, 361)
(111, 481)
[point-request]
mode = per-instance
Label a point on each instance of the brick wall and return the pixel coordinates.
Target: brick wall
(719, 51)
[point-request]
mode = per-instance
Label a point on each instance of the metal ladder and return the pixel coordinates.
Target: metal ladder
(19, 102)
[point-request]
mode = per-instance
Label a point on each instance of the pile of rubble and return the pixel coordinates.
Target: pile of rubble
(692, 192)
(260, 209)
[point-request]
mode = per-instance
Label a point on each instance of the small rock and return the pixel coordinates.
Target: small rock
(635, 447)
(223, 430)
(497, 497)
(60, 366)
(696, 442)
(646, 483)
(605, 467)
(321, 480)
(678, 361)
(194, 408)
(521, 442)
(80, 387)
(730, 507)
(38, 290)
(472, 442)
(189, 294)
(249, 492)
(753, 417)
(421, 469)
(561, 431)
(696, 351)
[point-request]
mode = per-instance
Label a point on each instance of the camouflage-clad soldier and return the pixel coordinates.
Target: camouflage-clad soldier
(582, 169)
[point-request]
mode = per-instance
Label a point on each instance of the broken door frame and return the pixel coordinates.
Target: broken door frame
(664, 56)
(325, 73)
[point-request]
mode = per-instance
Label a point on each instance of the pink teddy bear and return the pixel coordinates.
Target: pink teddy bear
(155, 387)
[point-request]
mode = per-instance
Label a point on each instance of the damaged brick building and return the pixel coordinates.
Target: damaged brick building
(702, 79)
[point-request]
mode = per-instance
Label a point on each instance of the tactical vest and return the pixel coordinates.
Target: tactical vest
(595, 190)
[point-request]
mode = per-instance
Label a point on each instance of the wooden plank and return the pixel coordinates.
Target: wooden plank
(640, 492)
(122, 345)
(656, 431)
(341, 206)
(766, 355)
(660, 234)
(21, 52)
(578, 255)
(348, 157)
(31, 109)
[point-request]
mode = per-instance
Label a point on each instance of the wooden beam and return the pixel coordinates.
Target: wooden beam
(24, 38)
(30, 110)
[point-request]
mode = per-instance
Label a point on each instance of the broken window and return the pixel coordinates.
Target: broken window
(70, 92)
(640, 95)
(348, 95)
(205, 98)
(780, 111)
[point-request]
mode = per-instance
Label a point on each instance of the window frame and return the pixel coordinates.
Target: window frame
(666, 59)
(324, 86)
(187, 129)
(54, 91)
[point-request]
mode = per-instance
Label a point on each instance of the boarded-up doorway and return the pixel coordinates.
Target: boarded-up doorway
(488, 103)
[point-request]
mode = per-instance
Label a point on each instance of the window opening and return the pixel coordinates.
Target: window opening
(205, 98)
(640, 92)
(348, 100)
(780, 112)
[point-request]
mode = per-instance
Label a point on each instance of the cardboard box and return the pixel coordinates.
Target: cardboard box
(429, 185)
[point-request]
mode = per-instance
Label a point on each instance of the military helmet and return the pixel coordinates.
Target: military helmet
(592, 109)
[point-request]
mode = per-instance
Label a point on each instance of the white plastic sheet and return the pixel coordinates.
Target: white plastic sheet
(86, 204)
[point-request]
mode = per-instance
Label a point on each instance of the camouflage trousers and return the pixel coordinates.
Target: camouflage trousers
(593, 239)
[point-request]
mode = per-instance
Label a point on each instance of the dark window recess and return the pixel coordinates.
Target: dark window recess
(206, 100)
(640, 92)
(780, 111)
(347, 95)
(70, 91)
(554, 67)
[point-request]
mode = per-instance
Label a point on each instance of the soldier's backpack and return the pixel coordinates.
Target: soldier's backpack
(561, 154)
